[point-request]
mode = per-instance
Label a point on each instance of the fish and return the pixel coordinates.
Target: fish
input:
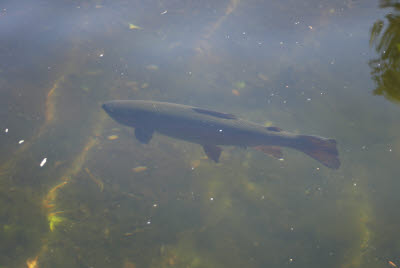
(212, 129)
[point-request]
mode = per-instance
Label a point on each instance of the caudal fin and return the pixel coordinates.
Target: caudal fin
(321, 149)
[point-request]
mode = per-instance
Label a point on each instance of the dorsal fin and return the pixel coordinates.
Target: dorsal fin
(143, 135)
(276, 129)
(215, 113)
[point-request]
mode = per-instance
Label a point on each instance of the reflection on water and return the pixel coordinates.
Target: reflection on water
(385, 36)
(102, 199)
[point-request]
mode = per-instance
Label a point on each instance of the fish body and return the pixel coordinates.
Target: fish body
(211, 128)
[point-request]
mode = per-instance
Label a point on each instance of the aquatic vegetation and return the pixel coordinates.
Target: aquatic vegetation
(32, 263)
(385, 38)
(54, 220)
(96, 180)
(240, 84)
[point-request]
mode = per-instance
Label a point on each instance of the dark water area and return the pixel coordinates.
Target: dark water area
(78, 190)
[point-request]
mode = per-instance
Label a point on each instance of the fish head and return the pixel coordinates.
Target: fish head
(130, 113)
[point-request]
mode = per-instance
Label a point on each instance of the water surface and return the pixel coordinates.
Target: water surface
(102, 199)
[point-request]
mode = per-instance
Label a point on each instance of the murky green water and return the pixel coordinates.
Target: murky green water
(77, 189)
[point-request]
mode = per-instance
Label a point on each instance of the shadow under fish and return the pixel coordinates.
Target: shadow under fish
(211, 128)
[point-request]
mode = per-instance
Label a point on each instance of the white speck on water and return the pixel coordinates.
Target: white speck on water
(317, 168)
(43, 162)
(244, 33)
(262, 197)
(101, 55)
(281, 159)
(211, 198)
(292, 229)
(364, 147)
(281, 43)
(21, 142)
(220, 130)
(6, 130)
(308, 99)
(284, 102)
(164, 12)
(297, 22)
(155, 205)
(148, 222)
(290, 260)
(354, 184)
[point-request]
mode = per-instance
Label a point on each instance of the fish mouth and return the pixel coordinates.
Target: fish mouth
(107, 107)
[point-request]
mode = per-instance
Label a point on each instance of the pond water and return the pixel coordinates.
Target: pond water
(78, 190)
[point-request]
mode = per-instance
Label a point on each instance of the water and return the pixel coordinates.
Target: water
(102, 199)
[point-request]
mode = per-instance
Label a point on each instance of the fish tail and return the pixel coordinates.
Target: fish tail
(321, 149)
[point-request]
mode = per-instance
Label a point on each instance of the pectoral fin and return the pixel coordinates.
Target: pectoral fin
(143, 134)
(212, 151)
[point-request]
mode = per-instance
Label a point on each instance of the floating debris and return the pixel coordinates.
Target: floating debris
(6, 130)
(137, 230)
(101, 55)
(235, 92)
(392, 264)
(139, 169)
(211, 198)
(21, 142)
(112, 137)
(43, 162)
(133, 85)
(134, 27)
(152, 67)
(195, 164)
(164, 12)
(310, 27)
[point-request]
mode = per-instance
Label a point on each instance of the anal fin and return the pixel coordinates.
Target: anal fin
(144, 135)
(273, 151)
(212, 151)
